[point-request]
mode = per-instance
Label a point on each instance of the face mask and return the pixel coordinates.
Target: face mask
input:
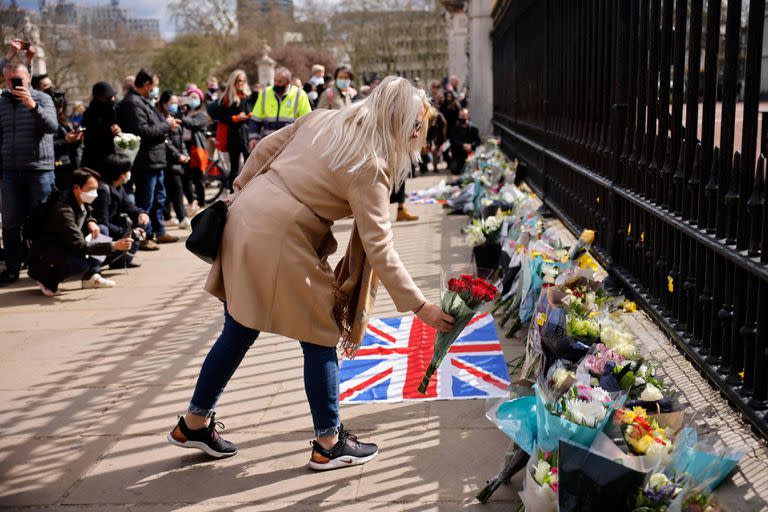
(312, 95)
(279, 89)
(212, 90)
(342, 83)
(155, 92)
(89, 197)
(173, 108)
(193, 103)
(317, 80)
(127, 177)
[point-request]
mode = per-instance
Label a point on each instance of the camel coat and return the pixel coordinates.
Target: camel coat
(272, 268)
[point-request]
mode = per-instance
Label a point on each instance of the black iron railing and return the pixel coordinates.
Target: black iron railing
(626, 116)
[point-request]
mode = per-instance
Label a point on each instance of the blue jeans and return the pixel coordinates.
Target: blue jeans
(321, 375)
(83, 266)
(21, 192)
(150, 197)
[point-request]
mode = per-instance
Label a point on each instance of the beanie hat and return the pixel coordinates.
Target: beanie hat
(193, 89)
(102, 90)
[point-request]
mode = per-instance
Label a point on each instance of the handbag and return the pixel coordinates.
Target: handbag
(208, 225)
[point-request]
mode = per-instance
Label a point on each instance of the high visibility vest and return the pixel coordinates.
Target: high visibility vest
(273, 115)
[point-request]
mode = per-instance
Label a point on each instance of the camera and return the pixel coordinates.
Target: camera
(16, 82)
(138, 235)
(25, 46)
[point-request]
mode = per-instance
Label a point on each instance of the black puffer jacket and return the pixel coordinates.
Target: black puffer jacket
(26, 136)
(136, 115)
(175, 149)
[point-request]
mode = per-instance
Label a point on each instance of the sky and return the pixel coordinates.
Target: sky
(141, 9)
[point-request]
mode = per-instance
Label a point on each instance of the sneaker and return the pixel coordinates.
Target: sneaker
(404, 215)
(46, 291)
(171, 222)
(149, 245)
(167, 239)
(185, 223)
(7, 278)
(206, 439)
(96, 281)
(347, 452)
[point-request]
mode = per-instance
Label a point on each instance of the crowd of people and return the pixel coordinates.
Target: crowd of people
(72, 203)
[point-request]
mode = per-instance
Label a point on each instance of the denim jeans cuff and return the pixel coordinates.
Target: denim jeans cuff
(326, 432)
(199, 411)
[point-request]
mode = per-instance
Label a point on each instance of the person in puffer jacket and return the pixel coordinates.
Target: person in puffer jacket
(27, 124)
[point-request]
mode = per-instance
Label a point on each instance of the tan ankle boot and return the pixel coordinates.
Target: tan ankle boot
(402, 214)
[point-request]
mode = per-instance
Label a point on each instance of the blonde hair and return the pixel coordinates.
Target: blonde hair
(378, 129)
(230, 92)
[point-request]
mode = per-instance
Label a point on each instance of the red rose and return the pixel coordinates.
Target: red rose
(466, 277)
(458, 286)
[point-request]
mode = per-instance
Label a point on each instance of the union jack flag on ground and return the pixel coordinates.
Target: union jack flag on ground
(395, 353)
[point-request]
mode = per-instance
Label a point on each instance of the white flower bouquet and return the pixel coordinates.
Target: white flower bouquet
(127, 144)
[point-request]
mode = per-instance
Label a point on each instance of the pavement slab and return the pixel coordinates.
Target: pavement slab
(92, 380)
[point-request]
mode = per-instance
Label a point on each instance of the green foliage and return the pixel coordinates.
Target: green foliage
(187, 59)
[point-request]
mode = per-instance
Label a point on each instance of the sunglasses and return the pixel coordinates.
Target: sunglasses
(416, 128)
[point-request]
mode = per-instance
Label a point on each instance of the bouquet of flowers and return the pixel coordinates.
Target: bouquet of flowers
(461, 300)
(484, 231)
(615, 337)
(698, 500)
(127, 144)
(643, 435)
(541, 482)
(657, 494)
(584, 405)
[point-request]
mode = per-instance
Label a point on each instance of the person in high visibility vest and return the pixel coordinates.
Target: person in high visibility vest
(278, 105)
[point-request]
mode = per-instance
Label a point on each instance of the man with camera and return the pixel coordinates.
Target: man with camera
(27, 124)
(114, 211)
(137, 115)
(59, 247)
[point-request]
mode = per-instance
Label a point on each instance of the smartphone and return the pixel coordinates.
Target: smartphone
(25, 46)
(16, 82)
(80, 129)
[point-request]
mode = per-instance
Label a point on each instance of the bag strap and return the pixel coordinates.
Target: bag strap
(264, 167)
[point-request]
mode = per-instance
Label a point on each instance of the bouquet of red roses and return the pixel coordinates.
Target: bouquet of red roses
(461, 300)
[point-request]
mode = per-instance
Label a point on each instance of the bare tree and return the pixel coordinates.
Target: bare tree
(213, 18)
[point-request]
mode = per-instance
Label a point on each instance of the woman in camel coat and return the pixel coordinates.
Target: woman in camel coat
(272, 271)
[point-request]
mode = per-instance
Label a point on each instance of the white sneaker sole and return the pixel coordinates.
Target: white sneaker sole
(199, 446)
(342, 462)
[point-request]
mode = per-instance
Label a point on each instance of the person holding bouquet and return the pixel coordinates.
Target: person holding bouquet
(272, 270)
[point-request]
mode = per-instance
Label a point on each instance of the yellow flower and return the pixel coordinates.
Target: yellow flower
(641, 445)
(670, 284)
(629, 306)
(741, 374)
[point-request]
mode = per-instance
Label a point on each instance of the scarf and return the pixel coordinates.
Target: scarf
(354, 294)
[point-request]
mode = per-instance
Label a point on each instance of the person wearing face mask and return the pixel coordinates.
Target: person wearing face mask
(176, 158)
(465, 137)
(67, 144)
(100, 123)
(341, 93)
(59, 247)
(113, 206)
(278, 105)
(311, 90)
(137, 115)
(195, 123)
